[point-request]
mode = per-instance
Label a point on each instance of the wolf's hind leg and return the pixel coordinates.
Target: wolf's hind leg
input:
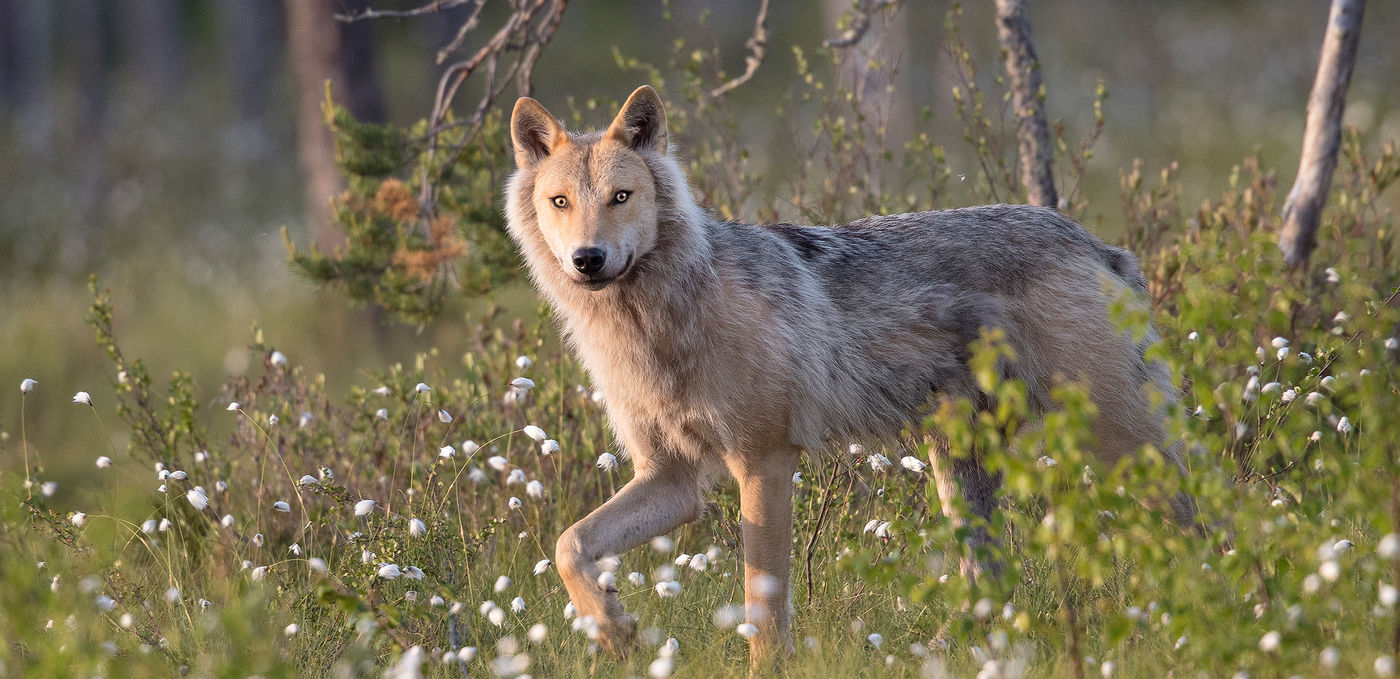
(654, 502)
(964, 483)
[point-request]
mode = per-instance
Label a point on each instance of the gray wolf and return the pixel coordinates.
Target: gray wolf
(731, 348)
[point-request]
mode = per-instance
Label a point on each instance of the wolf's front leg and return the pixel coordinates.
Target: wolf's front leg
(765, 504)
(654, 502)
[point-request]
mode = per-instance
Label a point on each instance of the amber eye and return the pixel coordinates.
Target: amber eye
(621, 197)
(560, 202)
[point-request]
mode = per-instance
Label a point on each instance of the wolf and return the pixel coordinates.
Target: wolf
(731, 348)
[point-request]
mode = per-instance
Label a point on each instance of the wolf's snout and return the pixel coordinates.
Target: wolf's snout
(589, 261)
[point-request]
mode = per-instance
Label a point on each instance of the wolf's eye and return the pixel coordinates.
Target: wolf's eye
(560, 202)
(621, 197)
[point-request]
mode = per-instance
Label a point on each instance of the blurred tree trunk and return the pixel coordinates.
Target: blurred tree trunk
(156, 41)
(26, 65)
(1028, 99)
(91, 42)
(320, 48)
(252, 40)
(314, 52)
(875, 63)
(1322, 136)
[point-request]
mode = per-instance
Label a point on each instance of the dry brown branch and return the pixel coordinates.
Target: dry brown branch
(758, 47)
(1028, 98)
(1322, 136)
(430, 8)
(860, 21)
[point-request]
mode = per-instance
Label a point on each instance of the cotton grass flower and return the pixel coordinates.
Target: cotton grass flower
(1344, 426)
(699, 562)
(607, 462)
(1270, 642)
(514, 502)
(308, 480)
(233, 406)
(381, 414)
(416, 527)
(77, 518)
(1384, 666)
(746, 630)
(389, 571)
(148, 526)
(413, 573)
(27, 385)
(668, 589)
(875, 639)
(104, 462)
(522, 383)
(282, 506)
(444, 417)
(1389, 546)
(517, 605)
(534, 490)
(364, 507)
(661, 668)
(497, 616)
(549, 447)
(447, 452)
(637, 579)
(179, 475)
(537, 633)
(879, 463)
(197, 498)
(607, 581)
(497, 463)
(422, 388)
(502, 583)
(535, 433)
(82, 397)
(227, 521)
(523, 362)
(516, 477)
(542, 565)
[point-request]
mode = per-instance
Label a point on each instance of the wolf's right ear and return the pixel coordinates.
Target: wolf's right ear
(534, 133)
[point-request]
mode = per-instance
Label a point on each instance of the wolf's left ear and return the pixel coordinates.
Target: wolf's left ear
(534, 133)
(642, 122)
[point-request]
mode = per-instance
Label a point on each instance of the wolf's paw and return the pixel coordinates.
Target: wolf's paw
(616, 635)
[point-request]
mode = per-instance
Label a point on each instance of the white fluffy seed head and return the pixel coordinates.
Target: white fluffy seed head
(535, 433)
(746, 630)
(364, 507)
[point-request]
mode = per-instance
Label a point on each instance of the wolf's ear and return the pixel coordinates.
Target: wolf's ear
(534, 133)
(642, 122)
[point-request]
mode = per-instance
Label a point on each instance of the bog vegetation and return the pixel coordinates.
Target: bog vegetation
(407, 526)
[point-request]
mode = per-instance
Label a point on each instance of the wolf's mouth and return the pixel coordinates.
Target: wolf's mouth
(599, 282)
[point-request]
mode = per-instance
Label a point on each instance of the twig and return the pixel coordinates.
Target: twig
(467, 27)
(817, 529)
(860, 22)
(758, 46)
(430, 8)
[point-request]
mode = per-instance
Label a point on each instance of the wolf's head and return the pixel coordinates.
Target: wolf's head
(595, 198)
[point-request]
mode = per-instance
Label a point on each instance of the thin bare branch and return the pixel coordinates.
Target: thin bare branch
(462, 31)
(860, 22)
(430, 8)
(1322, 137)
(758, 47)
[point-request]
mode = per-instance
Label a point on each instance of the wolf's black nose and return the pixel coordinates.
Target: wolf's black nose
(589, 261)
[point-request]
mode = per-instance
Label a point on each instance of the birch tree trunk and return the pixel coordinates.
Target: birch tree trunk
(1302, 211)
(1028, 98)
